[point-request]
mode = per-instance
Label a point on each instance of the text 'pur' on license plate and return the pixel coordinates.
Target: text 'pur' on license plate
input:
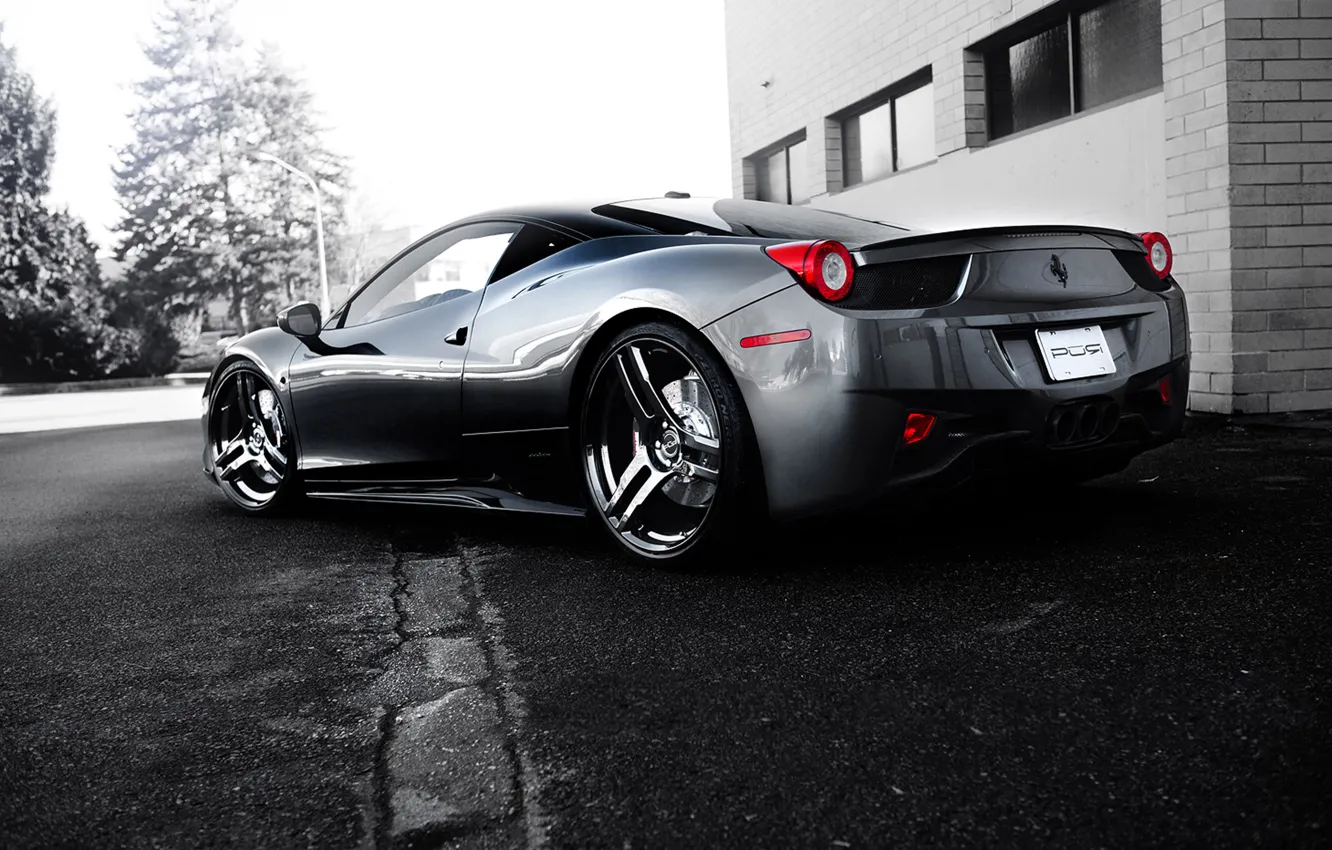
(1071, 353)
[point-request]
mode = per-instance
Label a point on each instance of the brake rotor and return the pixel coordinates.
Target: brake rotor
(692, 404)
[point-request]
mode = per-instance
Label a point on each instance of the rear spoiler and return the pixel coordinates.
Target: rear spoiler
(991, 238)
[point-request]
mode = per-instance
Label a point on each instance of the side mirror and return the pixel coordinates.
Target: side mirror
(301, 319)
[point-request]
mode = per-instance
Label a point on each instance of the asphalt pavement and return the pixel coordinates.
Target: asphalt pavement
(1146, 661)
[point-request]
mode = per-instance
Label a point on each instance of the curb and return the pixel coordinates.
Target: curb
(176, 379)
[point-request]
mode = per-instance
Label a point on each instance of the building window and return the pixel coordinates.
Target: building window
(782, 176)
(1069, 58)
(890, 131)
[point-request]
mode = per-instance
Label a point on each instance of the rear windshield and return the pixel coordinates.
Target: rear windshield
(729, 217)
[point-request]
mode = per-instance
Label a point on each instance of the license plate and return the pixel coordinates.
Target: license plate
(1071, 353)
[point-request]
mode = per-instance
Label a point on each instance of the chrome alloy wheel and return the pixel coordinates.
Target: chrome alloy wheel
(652, 445)
(249, 440)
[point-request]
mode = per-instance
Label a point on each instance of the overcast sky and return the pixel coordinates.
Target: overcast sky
(444, 107)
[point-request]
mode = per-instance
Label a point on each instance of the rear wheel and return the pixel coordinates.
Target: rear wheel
(251, 444)
(665, 445)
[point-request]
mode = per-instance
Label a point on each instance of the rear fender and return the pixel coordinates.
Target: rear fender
(821, 439)
(528, 339)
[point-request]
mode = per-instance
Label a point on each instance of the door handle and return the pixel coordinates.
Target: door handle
(458, 337)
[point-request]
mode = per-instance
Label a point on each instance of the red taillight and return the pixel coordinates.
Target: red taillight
(774, 339)
(917, 428)
(1159, 254)
(824, 266)
(1163, 388)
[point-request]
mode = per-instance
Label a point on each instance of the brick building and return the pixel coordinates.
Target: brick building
(1208, 120)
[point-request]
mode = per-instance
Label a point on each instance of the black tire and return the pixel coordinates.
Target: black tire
(606, 450)
(242, 437)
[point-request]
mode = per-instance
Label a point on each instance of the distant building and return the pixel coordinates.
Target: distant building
(1208, 120)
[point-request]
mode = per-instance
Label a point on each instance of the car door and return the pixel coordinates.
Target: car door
(377, 396)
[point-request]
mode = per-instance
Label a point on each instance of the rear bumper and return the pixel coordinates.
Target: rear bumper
(828, 413)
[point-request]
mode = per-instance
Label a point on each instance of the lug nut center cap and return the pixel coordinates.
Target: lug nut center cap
(670, 446)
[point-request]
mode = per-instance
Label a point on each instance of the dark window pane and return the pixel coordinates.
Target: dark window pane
(797, 166)
(1029, 83)
(999, 94)
(1119, 51)
(915, 127)
(851, 155)
(1040, 78)
(532, 245)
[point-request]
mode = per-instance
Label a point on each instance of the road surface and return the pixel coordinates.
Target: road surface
(1146, 663)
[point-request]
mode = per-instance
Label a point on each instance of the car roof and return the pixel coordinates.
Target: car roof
(577, 216)
(676, 212)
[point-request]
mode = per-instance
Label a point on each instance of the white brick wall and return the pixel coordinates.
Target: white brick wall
(1193, 50)
(1279, 87)
(820, 56)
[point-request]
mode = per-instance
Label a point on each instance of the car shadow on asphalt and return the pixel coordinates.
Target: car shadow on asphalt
(1107, 516)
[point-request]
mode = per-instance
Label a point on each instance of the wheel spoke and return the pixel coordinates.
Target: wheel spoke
(230, 452)
(261, 461)
(233, 469)
(643, 398)
(698, 442)
(274, 454)
(640, 480)
(702, 473)
(249, 402)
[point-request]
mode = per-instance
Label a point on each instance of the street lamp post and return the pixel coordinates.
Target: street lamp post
(319, 224)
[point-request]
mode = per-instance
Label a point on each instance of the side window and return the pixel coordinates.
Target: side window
(533, 244)
(441, 268)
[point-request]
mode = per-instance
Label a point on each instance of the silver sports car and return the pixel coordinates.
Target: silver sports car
(683, 368)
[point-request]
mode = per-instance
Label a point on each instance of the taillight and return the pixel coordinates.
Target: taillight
(823, 266)
(918, 427)
(1163, 390)
(1159, 254)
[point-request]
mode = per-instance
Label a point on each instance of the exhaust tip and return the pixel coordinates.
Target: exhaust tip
(1109, 419)
(1065, 426)
(1089, 420)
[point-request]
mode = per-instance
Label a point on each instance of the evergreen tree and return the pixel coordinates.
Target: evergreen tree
(203, 218)
(53, 309)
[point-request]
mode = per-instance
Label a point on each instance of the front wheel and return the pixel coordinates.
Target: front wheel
(251, 445)
(666, 447)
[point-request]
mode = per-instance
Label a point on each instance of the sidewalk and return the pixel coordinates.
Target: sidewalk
(177, 379)
(54, 411)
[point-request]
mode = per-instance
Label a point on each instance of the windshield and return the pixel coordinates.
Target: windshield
(730, 217)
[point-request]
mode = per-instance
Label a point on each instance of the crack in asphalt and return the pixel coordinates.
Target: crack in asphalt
(382, 792)
(519, 826)
(498, 684)
(400, 590)
(512, 706)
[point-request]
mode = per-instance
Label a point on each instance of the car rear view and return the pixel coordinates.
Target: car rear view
(927, 359)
